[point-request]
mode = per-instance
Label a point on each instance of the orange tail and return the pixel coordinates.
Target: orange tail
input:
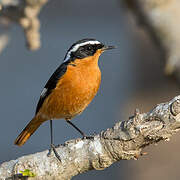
(29, 130)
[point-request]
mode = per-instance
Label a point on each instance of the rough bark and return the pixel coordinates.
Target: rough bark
(161, 19)
(123, 141)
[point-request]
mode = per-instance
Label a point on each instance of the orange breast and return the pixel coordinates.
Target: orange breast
(75, 90)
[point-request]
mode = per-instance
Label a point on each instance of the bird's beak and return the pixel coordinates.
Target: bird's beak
(104, 48)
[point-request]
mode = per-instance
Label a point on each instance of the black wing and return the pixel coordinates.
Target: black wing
(51, 84)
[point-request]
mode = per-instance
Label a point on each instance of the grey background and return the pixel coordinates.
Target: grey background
(132, 76)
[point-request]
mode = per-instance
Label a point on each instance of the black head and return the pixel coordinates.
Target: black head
(84, 48)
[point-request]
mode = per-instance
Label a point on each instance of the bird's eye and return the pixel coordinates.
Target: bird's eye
(89, 48)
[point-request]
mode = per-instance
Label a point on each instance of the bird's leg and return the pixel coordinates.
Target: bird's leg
(51, 135)
(68, 121)
(53, 147)
(82, 133)
(51, 131)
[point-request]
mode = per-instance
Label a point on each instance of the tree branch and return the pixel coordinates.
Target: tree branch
(123, 141)
(161, 19)
(25, 13)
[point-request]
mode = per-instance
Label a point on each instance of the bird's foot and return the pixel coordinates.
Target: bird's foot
(87, 137)
(53, 148)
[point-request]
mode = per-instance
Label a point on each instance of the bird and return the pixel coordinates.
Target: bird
(70, 89)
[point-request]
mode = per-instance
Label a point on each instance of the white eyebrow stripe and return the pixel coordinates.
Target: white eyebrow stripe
(75, 48)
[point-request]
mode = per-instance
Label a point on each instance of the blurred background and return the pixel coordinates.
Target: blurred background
(132, 77)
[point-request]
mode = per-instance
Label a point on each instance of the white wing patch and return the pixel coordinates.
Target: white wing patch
(75, 48)
(43, 93)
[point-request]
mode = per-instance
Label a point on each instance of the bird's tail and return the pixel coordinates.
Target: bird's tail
(29, 130)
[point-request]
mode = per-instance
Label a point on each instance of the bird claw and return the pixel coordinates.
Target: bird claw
(49, 153)
(53, 148)
(88, 137)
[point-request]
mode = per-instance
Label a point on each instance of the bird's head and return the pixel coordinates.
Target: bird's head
(85, 48)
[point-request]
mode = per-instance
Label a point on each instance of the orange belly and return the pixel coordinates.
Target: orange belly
(74, 91)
